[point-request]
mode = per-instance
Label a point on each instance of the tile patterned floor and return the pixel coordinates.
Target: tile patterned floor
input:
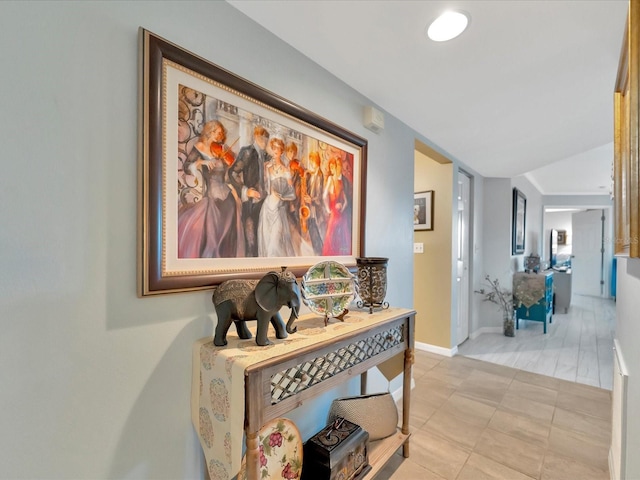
(578, 345)
(474, 420)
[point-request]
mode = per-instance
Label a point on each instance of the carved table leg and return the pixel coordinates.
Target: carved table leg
(253, 456)
(406, 397)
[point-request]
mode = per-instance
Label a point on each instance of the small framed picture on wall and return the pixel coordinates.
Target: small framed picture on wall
(562, 237)
(423, 210)
(519, 222)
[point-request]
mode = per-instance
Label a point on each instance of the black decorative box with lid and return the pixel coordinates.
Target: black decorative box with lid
(340, 451)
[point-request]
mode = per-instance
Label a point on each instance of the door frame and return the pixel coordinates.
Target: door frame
(470, 253)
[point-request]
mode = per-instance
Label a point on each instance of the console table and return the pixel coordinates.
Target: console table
(533, 297)
(238, 388)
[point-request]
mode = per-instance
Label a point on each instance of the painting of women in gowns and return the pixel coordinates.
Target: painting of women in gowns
(211, 227)
(205, 156)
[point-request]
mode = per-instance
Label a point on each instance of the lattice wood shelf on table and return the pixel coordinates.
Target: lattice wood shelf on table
(282, 383)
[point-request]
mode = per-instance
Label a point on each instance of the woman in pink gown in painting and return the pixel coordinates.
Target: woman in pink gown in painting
(211, 227)
(337, 240)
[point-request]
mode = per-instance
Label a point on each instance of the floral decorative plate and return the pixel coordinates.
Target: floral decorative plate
(328, 288)
(280, 451)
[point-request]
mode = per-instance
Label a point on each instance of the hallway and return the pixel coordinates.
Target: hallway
(578, 345)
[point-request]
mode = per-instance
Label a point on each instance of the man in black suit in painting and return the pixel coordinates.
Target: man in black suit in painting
(247, 177)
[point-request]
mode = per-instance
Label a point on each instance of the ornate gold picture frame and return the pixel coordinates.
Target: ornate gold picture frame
(626, 142)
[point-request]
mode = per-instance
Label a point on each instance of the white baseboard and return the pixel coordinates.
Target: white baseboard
(482, 330)
(447, 352)
(618, 452)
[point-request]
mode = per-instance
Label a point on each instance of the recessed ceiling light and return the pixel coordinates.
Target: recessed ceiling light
(447, 26)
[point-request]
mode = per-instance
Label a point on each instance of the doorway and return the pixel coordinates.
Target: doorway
(434, 276)
(584, 247)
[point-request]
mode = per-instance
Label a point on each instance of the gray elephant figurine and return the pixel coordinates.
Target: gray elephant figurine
(261, 300)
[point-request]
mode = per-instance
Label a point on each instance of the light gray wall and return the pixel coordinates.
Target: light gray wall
(96, 382)
(577, 201)
(496, 245)
(497, 261)
(628, 335)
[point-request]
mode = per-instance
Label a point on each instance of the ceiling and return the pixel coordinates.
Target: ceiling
(526, 89)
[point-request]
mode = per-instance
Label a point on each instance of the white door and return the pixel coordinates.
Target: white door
(464, 240)
(587, 252)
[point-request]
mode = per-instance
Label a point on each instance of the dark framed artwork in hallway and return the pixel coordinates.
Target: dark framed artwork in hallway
(423, 210)
(519, 222)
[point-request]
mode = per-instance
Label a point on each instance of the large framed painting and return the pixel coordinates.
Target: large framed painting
(519, 222)
(236, 181)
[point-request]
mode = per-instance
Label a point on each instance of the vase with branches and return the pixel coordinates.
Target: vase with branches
(495, 293)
